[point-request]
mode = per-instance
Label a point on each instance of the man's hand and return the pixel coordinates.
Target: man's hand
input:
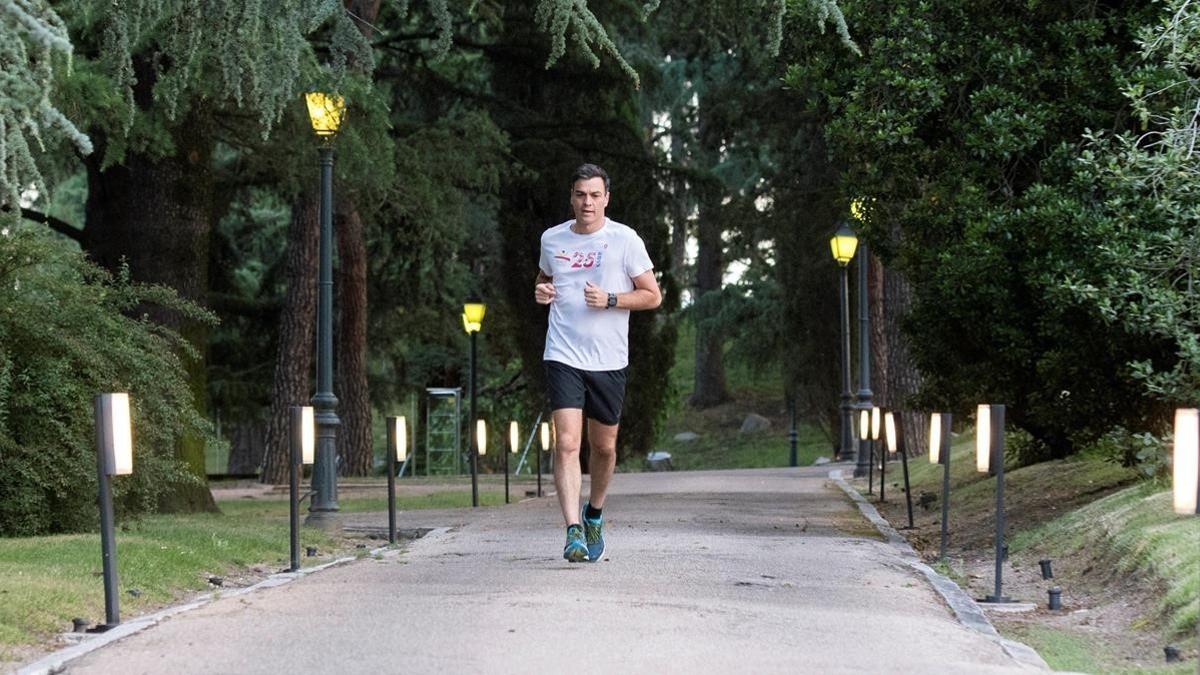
(544, 293)
(595, 296)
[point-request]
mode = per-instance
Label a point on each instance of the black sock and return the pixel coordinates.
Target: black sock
(591, 512)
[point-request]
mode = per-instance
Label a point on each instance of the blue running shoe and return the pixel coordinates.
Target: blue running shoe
(593, 532)
(576, 549)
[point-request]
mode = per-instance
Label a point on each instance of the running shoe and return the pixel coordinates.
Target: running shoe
(593, 532)
(576, 549)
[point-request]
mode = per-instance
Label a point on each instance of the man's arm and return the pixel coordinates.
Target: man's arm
(645, 294)
(543, 288)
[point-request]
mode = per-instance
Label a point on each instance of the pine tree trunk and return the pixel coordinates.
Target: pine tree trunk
(895, 378)
(294, 360)
(354, 405)
(709, 387)
(156, 216)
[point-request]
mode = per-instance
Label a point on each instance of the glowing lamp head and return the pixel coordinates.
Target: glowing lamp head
(889, 428)
(864, 424)
(114, 433)
(481, 437)
(1186, 472)
(983, 438)
(843, 243)
(514, 438)
(473, 312)
(308, 435)
(398, 437)
(875, 421)
(935, 438)
(326, 112)
(545, 436)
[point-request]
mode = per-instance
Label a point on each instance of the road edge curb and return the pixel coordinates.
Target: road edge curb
(55, 662)
(964, 607)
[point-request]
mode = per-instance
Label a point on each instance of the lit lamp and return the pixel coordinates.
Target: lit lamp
(114, 457)
(1186, 472)
(864, 444)
(895, 439)
(843, 244)
(989, 458)
(397, 451)
(939, 453)
(514, 440)
(481, 437)
(326, 113)
(545, 448)
(472, 318)
(876, 420)
(302, 444)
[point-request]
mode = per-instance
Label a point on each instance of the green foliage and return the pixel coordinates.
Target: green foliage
(65, 336)
(1149, 454)
(962, 126)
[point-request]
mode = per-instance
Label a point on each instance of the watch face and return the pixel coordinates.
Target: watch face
(612, 299)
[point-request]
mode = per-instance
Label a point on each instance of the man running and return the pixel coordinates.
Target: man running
(593, 272)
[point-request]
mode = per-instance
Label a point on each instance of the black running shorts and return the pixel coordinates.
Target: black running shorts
(599, 393)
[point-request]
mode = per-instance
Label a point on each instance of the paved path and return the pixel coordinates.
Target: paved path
(708, 572)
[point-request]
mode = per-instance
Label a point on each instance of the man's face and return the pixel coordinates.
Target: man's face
(588, 201)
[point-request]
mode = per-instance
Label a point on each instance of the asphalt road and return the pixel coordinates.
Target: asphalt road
(756, 571)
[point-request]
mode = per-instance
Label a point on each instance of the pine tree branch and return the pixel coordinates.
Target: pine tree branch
(60, 226)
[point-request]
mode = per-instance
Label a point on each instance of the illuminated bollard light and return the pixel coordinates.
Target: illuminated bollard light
(989, 458)
(1186, 472)
(302, 442)
(397, 452)
(114, 457)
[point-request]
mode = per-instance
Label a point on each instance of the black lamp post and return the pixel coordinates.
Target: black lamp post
(114, 457)
(793, 460)
(301, 443)
(326, 114)
(895, 444)
(397, 451)
(843, 243)
(989, 458)
(472, 317)
(939, 453)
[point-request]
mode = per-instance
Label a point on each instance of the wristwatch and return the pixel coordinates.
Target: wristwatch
(612, 301)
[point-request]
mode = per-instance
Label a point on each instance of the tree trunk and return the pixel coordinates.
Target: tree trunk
(896, 377)
(294, 360)
(354, 405)
(709, 387)
(155, 215)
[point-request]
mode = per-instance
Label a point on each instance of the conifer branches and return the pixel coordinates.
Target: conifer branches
(31, 35)
(563, 19)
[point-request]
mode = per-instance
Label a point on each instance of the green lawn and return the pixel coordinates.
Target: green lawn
(47, 581)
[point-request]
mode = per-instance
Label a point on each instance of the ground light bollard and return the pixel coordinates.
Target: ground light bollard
(1186, 472)
(895, 444)
(397, 451)
(875, 420)
(989, 458)
(864, 445)
(114, 457)
(545, 438)
(939, 453)
(514, 441)
(302, 447)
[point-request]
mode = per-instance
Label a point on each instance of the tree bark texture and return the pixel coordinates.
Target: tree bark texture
(354, 405)
(297, 336)
(895, 378)
(709, 387)
(155, 214)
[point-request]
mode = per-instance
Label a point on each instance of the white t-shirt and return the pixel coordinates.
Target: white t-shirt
(585, 337)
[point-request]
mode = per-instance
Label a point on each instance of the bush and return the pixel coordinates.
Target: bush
(66, 334)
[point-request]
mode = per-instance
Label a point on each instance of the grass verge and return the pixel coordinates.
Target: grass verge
(46, 581)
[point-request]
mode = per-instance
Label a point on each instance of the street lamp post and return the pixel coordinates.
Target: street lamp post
(843, 243)
(864, 350)
(793, 460)
(326, 114)
(472, 318)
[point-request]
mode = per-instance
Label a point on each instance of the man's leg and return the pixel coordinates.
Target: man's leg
(602, 460)
(568, 425)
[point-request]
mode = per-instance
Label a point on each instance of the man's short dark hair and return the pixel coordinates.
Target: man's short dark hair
(586, 171)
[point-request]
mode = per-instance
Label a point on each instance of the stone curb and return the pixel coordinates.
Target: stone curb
(965, 609)
(57, 661)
